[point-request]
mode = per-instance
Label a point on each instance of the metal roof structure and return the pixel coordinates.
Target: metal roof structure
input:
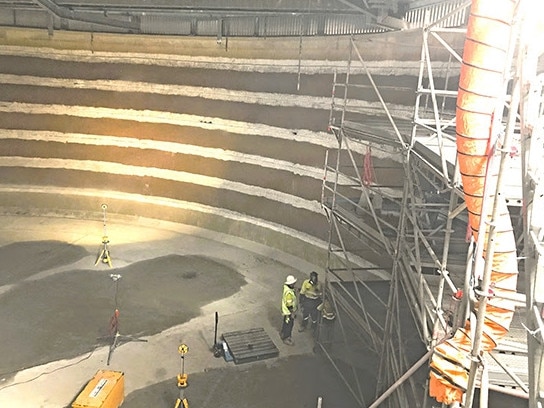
(264, 18)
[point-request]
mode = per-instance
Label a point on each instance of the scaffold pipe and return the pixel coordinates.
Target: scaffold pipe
(401, 380)
(481, 86)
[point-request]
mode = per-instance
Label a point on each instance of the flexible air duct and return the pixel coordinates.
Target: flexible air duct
(481, 86)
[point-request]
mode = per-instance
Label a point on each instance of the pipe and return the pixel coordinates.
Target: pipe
(484, 389)
(403, 378)
(481, 86)
(492, 235)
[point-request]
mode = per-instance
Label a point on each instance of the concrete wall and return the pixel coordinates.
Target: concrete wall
(231, 137)
(393, 46)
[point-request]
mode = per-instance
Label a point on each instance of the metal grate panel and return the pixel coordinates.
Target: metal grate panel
(250, 345)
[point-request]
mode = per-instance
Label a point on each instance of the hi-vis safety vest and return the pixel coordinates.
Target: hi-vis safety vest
(288, 300)
(311, 291)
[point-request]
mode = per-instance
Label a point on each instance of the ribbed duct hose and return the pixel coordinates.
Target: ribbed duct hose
(481, 85)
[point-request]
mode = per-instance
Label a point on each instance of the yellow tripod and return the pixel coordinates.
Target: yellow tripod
(182, 379)
(104, 252)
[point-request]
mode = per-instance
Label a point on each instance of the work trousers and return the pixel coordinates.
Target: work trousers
(287, 327)
(309, 310)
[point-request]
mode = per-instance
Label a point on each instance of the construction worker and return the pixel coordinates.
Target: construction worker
(310, 298)
(328, 315)
(327, 310)
(288, 309)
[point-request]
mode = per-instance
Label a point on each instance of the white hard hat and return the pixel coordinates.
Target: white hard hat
(290, 280)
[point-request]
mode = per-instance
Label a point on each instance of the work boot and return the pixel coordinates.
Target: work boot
(288, 341)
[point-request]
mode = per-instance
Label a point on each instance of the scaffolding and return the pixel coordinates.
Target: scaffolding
(399, 266)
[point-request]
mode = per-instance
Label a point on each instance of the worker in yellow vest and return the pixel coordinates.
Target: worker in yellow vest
(310, 298)
(326, 329)
(288, 309)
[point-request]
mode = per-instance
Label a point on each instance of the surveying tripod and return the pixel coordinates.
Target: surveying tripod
(104, 252)
(182, 379)
(115, 336)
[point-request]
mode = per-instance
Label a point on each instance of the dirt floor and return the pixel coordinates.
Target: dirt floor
(69, 312)
(56, 307)
(296, 381)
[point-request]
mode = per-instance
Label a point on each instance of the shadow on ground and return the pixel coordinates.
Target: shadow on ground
(295, 381)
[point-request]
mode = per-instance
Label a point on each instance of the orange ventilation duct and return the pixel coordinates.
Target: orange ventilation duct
(481, 86)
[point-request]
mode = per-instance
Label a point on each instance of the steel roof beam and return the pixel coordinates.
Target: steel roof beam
(70, 14)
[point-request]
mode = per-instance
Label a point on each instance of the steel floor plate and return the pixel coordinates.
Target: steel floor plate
(250, 345)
